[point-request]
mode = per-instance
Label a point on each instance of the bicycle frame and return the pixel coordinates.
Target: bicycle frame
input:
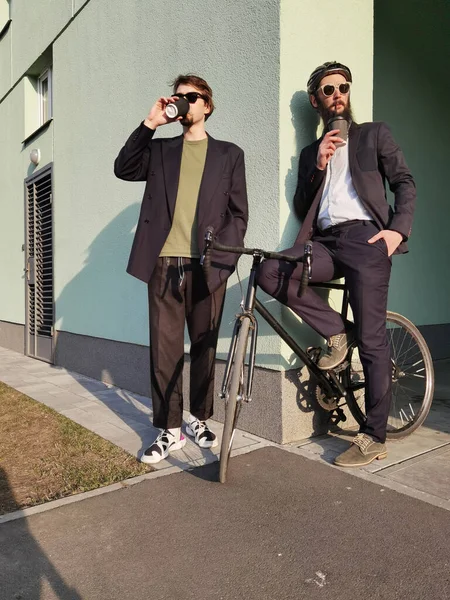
(251, 304)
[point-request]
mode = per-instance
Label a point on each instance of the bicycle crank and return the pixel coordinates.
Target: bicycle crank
(324, 401)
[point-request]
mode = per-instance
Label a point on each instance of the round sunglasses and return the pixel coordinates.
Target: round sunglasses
(328, 89)
(191, 97)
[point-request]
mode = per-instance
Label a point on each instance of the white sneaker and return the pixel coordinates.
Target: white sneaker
(165, 444)
(202, 434)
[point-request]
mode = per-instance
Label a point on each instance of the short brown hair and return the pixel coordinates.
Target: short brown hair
(200, 84)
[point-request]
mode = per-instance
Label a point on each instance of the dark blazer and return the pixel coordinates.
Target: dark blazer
(222, 201)
(374, 157)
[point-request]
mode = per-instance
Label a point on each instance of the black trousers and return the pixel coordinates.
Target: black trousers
(343, 250)
(178, 294)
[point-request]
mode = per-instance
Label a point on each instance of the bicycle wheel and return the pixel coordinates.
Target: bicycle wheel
(412, 379)
(233, 398)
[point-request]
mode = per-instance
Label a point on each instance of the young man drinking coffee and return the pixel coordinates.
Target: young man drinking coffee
(193, 182)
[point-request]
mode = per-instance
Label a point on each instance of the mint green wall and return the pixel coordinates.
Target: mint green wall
(5, 63)
(14, 168)
(411, 93)
(77, 4)
(4, 13)
(34, 26)
(303, 31)
(11, 202)
(110, 63)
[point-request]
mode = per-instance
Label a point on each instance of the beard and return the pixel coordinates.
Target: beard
(187, 120)
(339, 108)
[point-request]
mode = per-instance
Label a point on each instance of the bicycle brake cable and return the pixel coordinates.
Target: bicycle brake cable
(240, 287)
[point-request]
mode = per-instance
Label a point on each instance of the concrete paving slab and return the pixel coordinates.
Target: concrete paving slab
(421, 442)
(85, 403)
(119, 397)
(37, 366)
(430, 473)
(126, 408)
(82, 417)
(129, 424)
(82, 386)
(14, 382)
(30, 388)
(62, 379)
(424, 440)
(15, 379)
(60, 402)
(41, 397)
(65, 396)
(115, 434)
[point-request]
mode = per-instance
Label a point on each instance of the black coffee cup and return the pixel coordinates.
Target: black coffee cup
(340, 123)
(178, 108)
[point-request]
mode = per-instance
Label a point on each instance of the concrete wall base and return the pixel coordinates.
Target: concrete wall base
(12, 336)
(283, 409)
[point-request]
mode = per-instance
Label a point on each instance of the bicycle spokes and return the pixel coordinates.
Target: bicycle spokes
(412, 378)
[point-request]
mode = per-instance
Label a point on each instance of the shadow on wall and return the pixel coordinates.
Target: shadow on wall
(305, 121)
(102, 292)
(18, 547)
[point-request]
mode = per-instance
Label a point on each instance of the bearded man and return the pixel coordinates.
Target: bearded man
(341, 201)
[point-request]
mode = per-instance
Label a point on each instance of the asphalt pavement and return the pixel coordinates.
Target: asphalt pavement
(283, 528)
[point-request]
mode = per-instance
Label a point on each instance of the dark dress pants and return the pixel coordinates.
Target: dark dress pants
(177, 295)
(344, 250)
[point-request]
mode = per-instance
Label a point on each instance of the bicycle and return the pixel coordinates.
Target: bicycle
(410, 356)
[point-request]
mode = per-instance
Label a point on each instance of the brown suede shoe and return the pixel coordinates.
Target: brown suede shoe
(362, 452)
(338, 346)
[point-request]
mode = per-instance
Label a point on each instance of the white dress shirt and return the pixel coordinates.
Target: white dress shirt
(340, 202)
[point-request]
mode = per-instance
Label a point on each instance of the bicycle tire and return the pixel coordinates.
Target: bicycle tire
(232, 404)
(422, 404)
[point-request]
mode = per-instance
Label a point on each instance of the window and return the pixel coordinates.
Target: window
(45, 96)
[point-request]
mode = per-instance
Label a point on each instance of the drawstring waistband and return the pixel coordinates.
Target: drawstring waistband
(180, 271)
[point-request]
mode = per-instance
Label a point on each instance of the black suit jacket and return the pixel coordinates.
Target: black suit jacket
(374, 157)
(222, 201)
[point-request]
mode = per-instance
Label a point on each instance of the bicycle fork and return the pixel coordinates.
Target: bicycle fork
(253, 333)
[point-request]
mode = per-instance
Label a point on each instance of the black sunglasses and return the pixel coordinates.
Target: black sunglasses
(191, 97)
(328, 89)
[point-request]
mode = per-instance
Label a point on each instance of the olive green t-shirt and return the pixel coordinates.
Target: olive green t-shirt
(182, 239)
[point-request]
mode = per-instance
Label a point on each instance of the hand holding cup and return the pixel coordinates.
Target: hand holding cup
(327, 148)
(157, 115)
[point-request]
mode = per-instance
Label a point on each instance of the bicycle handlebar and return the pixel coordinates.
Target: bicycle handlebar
(306, 259)
(255, 251)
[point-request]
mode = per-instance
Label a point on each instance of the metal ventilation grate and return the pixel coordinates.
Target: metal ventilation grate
(30, 249)
(40, 256)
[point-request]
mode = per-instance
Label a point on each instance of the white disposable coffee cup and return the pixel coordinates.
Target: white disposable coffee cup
(179, 108)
